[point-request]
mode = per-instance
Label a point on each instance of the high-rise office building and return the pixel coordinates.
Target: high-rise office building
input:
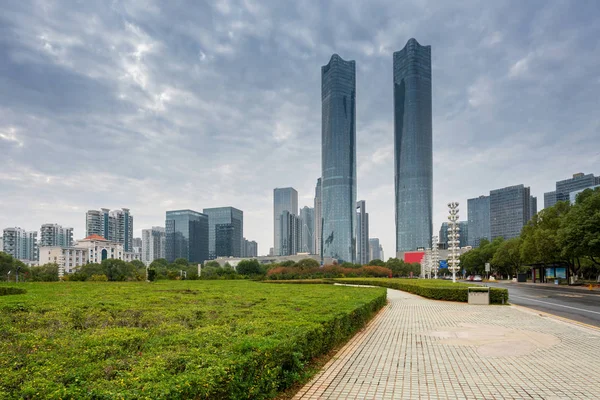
(307, 215)
(229, 223)
(338, 159)
(186, 236)
(318, 229)
(284, 199)
(20, 244)
(510, 210)
(478, 214)
(55, 235)
(290, 234)
(463, 238)
(153, 244)
(375, 250)
(413, 159)
(115, 226)
(362, 233)
(250, 248)
(579, 181)
(532, 206)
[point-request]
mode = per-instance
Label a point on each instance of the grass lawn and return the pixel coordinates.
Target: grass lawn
(171, 339)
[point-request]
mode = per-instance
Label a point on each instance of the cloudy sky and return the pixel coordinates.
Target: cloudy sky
(156, 105)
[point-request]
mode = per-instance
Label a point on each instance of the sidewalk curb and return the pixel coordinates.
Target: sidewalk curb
(556, 317)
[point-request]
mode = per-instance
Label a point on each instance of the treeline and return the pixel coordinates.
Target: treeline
(564, 233)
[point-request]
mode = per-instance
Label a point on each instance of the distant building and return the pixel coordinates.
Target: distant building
(533, 206)
(463, 232)
(55, 235)
(413, 155)
(20, 244)
(338, 159)
(579, 181)
(137, 242)
(318, 228)
(153, 244)
(478, 214)
(375, 250)
(307, 216)
(234, 261)
(510, 210)
(186, 236)
(225, 232)
(284, 199)
(362, 233)
(250, 248)
(573, 195)
(290, 234)
(115, 226)
(68, 258)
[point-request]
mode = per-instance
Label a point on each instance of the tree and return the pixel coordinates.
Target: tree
(377, 262)
(507, 258)
(44, 273)
(181, 261)
(138, 264)
(117, 270)
(307, 263)
(249, 267)
(213, 264)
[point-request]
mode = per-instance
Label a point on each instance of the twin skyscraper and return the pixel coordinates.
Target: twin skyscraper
(413, 164)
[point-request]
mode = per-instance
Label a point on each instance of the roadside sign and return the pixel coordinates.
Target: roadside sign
(487, 267)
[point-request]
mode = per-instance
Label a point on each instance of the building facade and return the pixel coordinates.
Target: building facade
(510, 210)
(225, 232)
(307, 215)
(413, 159)
(573, 195)
(55, 235)
(21, 244)
(153, 244)
(67, 258)
(478, 214)
(290, 234)
(362, 232)
(338, 159)
(284, 199)
(250, 248)
(375, 250)
(115, 226)
(186, 233)
(318, 228)
(578, 182)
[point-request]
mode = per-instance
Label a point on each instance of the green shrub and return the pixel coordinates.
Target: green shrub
(431, 288)
(98, 278)
(301, 281)
(5, 291)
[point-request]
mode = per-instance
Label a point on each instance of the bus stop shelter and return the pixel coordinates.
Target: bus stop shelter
(548, 272)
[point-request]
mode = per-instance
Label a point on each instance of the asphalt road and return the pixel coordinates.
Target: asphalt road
(576, 304)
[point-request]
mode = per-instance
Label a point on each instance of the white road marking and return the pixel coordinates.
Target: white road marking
(554, 304)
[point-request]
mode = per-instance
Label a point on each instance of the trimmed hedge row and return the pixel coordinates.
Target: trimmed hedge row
(5, 291)
(430, 289)
(301, 281)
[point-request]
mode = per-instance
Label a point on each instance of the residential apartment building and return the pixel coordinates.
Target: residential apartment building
(115, 226)
(55, 235)
(153, 244)
(21, 244)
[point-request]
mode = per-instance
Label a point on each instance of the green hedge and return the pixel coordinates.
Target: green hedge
(4, 291)
(431, 289)
(301, 281)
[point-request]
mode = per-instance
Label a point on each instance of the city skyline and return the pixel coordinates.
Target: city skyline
(123, 95)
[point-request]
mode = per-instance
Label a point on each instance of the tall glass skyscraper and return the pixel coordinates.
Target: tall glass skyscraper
(318, 220)
(413, 162)
(225, 232)
(338, 158)
(284, 199)
(478, 214)
(186, 236)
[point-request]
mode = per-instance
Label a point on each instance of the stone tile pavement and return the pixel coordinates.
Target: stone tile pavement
(424, 349)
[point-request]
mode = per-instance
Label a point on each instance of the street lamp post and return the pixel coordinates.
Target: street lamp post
(435, 256)
(453, 240)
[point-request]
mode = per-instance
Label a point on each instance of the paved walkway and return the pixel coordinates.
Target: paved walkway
(423, 349)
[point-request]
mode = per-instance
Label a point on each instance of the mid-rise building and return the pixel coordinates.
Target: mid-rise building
(413, 156)
(186, 236)
(307, 215)
(153, 244)
(463, 238)
(55, 235)
(573, 195)
(68, 258)
(478, 214)
(115, 226)
(318, 228)
(20, 244)
(338, 159)
(290, 233)
(225, 232)
(250, 248)
(579, 181)
(375, 250)
(362, 232)
(510, 210)
(284, 199)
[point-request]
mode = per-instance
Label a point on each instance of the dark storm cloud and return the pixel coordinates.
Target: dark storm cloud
(159, 105)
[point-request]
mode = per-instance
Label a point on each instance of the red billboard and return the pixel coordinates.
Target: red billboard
(413, 256)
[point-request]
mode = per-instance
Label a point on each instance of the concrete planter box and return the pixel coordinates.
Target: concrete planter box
(479, 295)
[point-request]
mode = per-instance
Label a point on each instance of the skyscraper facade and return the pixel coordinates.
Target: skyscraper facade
(463, 238)
(284, 199)
(413, 161)
(153, 244)
(20, 244)
(229, 241)
(362, 233)
(115, 226)
(55, 235)
(318, 229)
(510, 210)
(478, 215)
(290, 234)
(375, 250)
(338, 159)
(549, 199)
(250, 248)
(307, 215)
(579, 181)
(186, 234)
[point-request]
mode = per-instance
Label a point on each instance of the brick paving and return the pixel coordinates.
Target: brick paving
(423, 349)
